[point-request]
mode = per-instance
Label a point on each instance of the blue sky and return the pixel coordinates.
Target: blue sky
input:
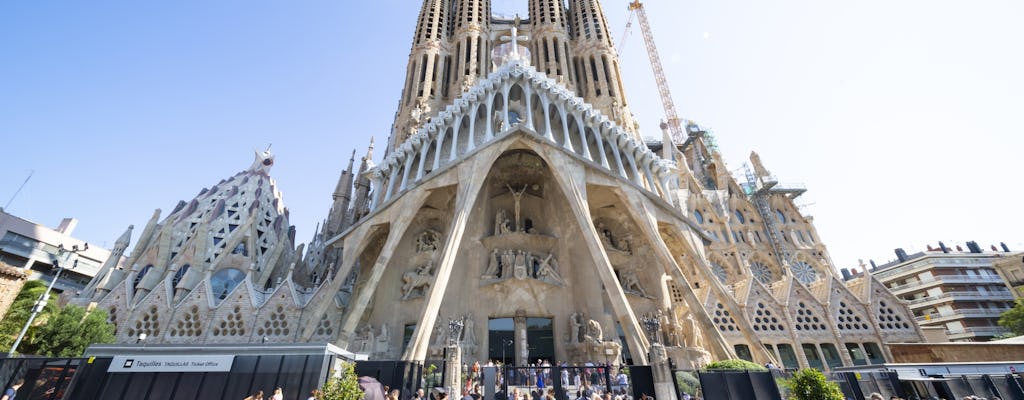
(901, 117)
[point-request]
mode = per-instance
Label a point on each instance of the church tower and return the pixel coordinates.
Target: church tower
(471, 45)
(427, 72)
(598, 78)
(550, 42)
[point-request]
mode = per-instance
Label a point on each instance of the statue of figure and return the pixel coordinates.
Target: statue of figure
(696, 338)
(493, 268)
(499, 220)
(439, 333)
(623, 244)
(417, 113)
(606, 235)
(519, 268)
(671, 335)
(616, 112)
(518, 196)
(427, 241)
(759, 168)
(468, 335)
(594, 333)
(546, 271)
(508, 260)
(383, 341)
(417, 279)
(366, 339)
(631, 283)
(576, 333)
(499, 121)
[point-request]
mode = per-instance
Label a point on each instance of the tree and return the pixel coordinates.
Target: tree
(345, 387)
(811, 384)
(18, 314)
(68, 332)
(734, 365)
(1013, 319)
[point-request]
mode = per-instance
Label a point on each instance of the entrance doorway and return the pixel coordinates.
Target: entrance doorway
(540, 335)
(501, 340)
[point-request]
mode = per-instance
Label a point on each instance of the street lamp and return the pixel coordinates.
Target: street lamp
(45, 297)
(652, 325)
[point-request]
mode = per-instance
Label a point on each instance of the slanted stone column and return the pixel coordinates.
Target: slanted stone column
(664, 385)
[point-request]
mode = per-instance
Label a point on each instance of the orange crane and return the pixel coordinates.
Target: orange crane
(671, 118)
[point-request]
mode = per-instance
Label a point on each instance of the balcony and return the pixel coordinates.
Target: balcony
(952, 296)
(944, 279)
(964, 333)
(959, 314)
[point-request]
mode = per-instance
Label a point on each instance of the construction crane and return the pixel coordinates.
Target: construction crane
(671, 118)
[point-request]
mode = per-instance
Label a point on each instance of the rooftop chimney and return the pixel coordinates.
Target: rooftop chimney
(67, 225)
(973, 247)
(901, 255)
(943, 247)
(846, 274)
(1006, 249)
(873, 266)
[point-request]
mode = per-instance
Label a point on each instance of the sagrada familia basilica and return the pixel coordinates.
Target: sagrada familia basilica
(517, 197)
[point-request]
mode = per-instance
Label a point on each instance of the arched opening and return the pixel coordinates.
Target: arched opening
(499, 119)
(447, 147)
(463, 136)
(430, 157)
(540, 124)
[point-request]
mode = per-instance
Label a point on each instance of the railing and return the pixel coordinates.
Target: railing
(975, 331)
(961, 313)
(948, 279)
(992, 295)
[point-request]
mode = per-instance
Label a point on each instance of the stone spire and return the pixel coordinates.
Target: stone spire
(598, 78)
(362, 187)
(426, 73)
(471, 56)
(550, 45)
(342, 197)
(115, 257)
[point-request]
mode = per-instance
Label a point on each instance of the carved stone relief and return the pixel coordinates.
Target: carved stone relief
(368, 342)
(416, 282)
(427, 241)
(522, 264)
(630, 281)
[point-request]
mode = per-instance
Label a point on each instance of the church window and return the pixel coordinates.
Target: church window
(240, 249)
(719, 272)
(225, 281)
(180, 273)
(761, 272)
(780, 216)
(740, 218)
(698, 216)
(142, 274)
(803, 272)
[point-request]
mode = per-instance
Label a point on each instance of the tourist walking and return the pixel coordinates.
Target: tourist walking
(13, 390)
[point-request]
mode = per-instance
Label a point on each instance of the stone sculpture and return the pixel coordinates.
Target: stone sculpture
(594, 333)
(631, 283)
(417, 279)
(427, 241)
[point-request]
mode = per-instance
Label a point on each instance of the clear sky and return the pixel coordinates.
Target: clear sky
(903, 118)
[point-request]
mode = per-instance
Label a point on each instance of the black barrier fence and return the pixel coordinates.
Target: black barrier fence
(88, 378)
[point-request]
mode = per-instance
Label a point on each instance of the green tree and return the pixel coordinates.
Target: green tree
(1013, 319)
(345, 387)
(18, 314)
(68, 332)
(811, 384)
(734, 365)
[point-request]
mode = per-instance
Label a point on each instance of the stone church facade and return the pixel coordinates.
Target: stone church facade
(515, 197)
